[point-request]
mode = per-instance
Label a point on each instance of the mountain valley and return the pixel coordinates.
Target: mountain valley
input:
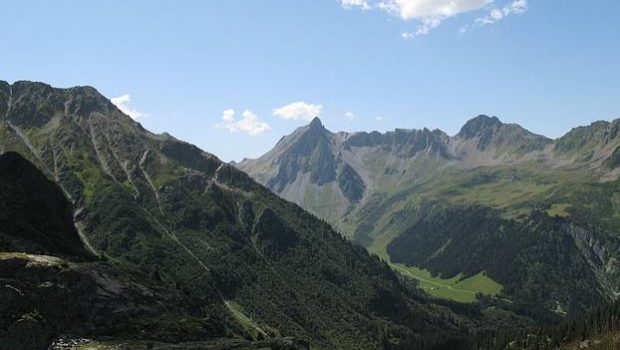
(115, 237)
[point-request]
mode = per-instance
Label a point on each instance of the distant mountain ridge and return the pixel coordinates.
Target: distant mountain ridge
(482, 141)
(384, 181)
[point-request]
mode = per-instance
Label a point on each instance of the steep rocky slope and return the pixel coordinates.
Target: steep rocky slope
(165, 207)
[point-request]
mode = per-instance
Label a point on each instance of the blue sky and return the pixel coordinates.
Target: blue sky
(363, 65)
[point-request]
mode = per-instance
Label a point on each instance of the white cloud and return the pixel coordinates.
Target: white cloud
(363, 4)
(430, 13)
(298, 110)
(349, 115)
(495, 14)
(379, 119)
(249, 123)
(431, 9)
(407, 35)
(122, 103)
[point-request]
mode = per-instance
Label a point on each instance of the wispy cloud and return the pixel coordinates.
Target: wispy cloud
(430, 14)
(298, 110)
(248, 124)
(363, 4)
(407, 35)
(123, 103)
(349, 115)
(495, 14)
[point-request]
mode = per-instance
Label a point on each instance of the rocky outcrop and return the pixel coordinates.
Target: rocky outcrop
(351, 184)
(403, 143)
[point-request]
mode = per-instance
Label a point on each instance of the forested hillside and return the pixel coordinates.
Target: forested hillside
(53, 286)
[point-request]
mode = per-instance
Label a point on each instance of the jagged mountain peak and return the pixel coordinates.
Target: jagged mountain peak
(44, 86)
(599, 133)
(316, 123)
(490, 134)
(474, 127)
(33, 104)
(314, 129)
(308, 150)
(402, 143)
(310, 132)
(23, 87)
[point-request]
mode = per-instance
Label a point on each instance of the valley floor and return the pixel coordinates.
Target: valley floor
(455, 288)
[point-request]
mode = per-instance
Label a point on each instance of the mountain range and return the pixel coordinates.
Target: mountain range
(321, 170)
(508, 213)
(115, 237)
(115, 234)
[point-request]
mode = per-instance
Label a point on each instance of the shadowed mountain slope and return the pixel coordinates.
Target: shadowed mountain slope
(35, 217)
